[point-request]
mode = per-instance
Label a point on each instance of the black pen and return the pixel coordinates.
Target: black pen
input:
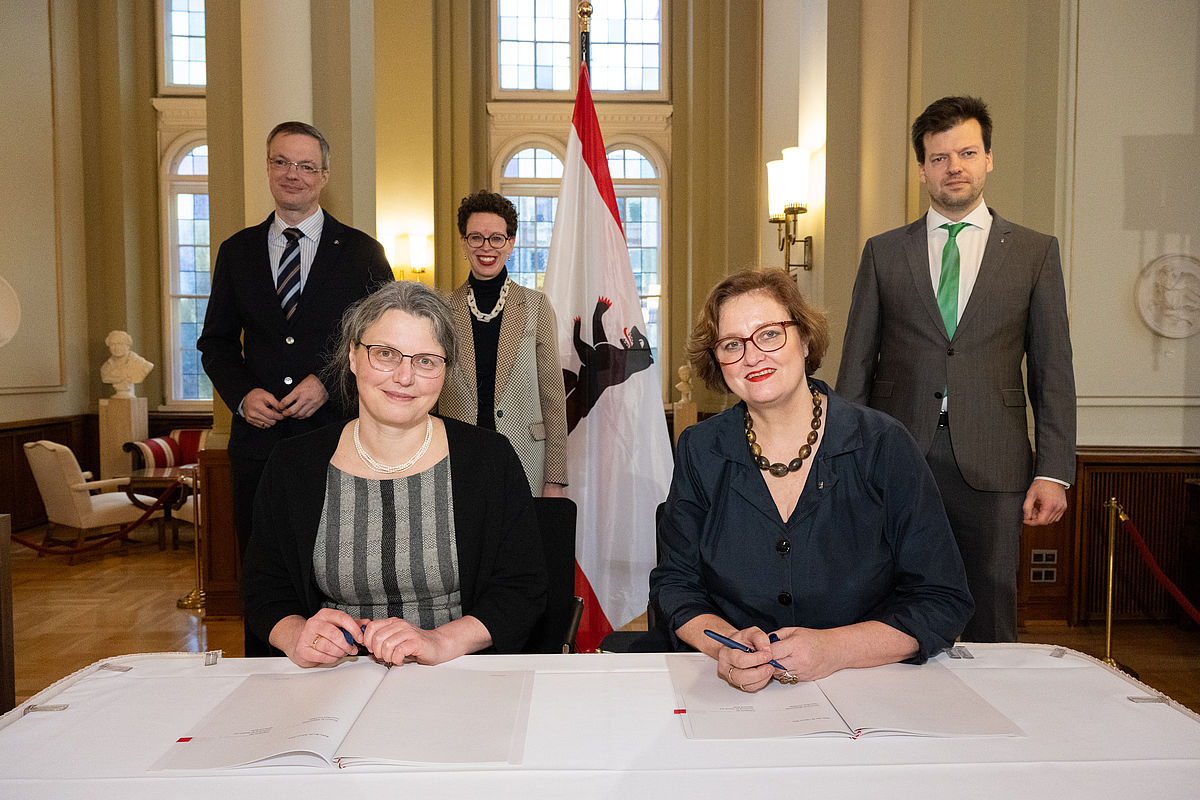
(725, 640)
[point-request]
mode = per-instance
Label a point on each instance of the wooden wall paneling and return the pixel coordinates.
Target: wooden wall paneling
(1046, 599)
(220, 558)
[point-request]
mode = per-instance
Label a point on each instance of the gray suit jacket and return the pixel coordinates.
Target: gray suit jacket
(896, 356)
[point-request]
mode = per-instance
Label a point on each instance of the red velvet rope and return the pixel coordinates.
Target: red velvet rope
(1159, 575)
(120, 533)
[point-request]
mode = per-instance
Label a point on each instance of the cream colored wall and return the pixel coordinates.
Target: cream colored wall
(404, 133)
(1095, 108)
(44, 186)
(1133, 196)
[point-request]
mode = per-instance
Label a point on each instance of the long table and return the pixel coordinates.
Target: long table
(603, 725)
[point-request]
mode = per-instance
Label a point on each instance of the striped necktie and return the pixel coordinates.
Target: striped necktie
(947, 291)
(288, 286)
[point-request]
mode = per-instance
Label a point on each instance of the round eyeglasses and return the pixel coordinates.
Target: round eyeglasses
(388, 359)
(280, 164)
(496, 240)
(767, 338)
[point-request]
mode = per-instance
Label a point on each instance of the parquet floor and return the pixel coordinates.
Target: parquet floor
(123, 601)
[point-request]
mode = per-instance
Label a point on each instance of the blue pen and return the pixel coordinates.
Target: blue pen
(725, 640)
(349, 638)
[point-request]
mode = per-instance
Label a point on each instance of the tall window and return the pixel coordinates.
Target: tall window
(636, 185)
(537, 47)
(530, 180)
(184, 62)
(189, 274)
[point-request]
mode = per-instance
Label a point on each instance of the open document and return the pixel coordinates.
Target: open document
(362, 713)
(892, 700)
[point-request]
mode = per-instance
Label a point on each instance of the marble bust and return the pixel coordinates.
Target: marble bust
(124, 368)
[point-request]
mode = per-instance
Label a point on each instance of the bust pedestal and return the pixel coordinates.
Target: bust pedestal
(122, 419)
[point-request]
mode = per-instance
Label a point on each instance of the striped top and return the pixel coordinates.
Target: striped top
(386, 548)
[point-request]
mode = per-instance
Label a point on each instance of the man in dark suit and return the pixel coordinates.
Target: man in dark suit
(278, 293)
(944, 311)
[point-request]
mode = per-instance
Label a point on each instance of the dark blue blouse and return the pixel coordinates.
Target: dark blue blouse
(868, 539)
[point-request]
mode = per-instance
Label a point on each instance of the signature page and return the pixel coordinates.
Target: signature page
(918, 700)
(272, 720)
(442, 715)
(712, 709)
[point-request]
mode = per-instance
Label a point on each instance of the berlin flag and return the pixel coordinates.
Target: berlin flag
(618, 451)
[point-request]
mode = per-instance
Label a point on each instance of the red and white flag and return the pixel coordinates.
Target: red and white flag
(618, 451)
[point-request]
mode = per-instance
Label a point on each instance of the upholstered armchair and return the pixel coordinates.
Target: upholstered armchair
(67, 494)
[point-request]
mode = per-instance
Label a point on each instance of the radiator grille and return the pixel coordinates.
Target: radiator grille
(1154, 498)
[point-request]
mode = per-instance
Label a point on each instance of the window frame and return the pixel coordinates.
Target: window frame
(166, 89)
(171, 185)
(622, 188)
(660, 95)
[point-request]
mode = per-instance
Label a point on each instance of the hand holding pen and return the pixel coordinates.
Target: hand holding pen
(786, 678)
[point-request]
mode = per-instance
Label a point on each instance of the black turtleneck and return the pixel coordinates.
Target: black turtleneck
(487, 340)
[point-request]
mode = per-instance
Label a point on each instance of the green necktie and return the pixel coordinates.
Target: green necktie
(947, 291)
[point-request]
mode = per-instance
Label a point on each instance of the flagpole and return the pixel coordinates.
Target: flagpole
(585, 38)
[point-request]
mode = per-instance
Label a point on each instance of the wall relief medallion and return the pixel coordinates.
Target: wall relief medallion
(1167, 293)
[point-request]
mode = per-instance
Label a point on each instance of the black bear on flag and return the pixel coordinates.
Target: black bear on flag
(602, 365)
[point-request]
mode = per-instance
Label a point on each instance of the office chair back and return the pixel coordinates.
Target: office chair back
(555, 632)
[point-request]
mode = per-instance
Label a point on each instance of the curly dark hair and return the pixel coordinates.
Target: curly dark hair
(810, 321)
(485, 202)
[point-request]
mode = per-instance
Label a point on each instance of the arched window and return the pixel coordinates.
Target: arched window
(638, 191)
(188, 272)
(531, 177)
(530, 180)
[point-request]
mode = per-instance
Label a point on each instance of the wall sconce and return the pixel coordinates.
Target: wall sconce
(412, 253)
(787, 187)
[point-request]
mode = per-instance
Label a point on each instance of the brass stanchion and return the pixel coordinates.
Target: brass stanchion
(194, 600)
(1114, 512)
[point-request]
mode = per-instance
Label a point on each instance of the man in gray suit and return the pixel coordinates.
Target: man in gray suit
(943, 313)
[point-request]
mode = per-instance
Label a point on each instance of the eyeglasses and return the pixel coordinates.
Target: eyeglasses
(280, 164)
(388, 359)
(496, 240)
(767, 338)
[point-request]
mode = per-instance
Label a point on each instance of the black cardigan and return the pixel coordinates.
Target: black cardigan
(500, 563)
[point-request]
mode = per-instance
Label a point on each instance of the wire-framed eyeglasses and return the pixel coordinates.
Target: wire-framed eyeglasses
(305, 168)
(767, 338)
(386, 358)
(496, 240)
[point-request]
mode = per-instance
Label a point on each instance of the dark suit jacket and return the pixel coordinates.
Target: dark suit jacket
(896, 356)
(247, 343)
(501, 568)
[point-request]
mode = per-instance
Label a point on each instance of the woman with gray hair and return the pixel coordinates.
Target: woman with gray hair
(387, 531)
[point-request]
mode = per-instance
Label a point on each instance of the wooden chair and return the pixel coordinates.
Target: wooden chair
(179, 447)
(555, 632)
(67, 495)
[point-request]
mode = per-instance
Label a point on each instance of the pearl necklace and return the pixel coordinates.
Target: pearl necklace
(495, 312)
(778, 469)
(384, 468)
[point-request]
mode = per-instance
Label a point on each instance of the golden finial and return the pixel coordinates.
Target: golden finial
(585, 15)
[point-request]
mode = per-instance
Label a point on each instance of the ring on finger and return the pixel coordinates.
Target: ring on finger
(316, 639)
(787, 678)
(729, 675)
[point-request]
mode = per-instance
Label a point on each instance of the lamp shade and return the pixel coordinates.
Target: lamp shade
(776, 190)
(795, 170)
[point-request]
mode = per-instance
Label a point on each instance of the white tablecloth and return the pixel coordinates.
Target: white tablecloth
(603, 726)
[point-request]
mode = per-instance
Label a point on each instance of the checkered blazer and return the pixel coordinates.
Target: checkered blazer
(530, 401)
